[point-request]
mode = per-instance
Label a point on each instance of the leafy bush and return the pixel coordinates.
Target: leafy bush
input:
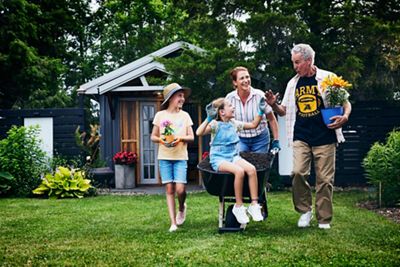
(90, 145)
(382, 165)
(5, 180)
(65, 183)
(22, 157)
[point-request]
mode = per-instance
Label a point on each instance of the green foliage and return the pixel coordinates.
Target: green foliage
(22, 157)
(382, 165)
(59, 160)
(5, 181)
(65, 183)
(90, 144)
(206, 73)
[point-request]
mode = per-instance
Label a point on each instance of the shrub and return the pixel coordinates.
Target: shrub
(65, 183)
(5, 181)
(382, 166)
(22, 157)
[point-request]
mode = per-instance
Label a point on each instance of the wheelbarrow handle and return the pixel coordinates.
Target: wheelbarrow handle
(274, 151)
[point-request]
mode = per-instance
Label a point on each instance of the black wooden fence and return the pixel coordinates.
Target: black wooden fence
(65, 122)
(369, 122)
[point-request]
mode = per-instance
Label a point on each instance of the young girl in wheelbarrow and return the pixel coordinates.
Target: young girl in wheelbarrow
(224, 153)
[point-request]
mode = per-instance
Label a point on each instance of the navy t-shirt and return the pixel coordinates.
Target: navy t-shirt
(309, 126)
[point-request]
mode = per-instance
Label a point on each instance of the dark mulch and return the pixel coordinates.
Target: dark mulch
(390, 213)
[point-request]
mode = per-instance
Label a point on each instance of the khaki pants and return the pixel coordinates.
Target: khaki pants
(324, 164)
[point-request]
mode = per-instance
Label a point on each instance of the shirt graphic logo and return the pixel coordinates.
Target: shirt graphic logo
(308, 100)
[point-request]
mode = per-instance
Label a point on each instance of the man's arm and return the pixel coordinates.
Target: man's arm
(339, 121)
(272, 101)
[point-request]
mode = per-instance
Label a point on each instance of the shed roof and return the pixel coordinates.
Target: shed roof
(118, 79)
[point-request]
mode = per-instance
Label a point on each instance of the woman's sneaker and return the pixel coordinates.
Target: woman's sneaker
(240, 214)
(255, 211)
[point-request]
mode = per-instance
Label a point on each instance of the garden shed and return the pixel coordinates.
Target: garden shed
(128, 102)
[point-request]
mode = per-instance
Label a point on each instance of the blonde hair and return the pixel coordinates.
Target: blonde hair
(235, 71)
(219, 104)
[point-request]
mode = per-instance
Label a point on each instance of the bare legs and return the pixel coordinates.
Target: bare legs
(170, 190)
(239, 169)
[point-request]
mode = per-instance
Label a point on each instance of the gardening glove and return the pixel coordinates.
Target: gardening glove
(211, 112)
(261, 106)
(175, 142)
(275, 146)
(164, 142)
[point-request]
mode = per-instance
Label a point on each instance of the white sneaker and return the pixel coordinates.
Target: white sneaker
(324, 226)
(255, 212)
(240, 214)
(305, 219)
(181, 216)
(173, 228)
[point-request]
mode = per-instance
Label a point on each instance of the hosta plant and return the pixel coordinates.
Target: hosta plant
(65, 183)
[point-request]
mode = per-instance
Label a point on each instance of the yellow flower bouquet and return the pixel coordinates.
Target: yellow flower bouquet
(335, 90)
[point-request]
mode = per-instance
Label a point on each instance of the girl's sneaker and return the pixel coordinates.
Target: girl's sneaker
(240, 214)
(173, 228)
(181, 216)
(255, 211)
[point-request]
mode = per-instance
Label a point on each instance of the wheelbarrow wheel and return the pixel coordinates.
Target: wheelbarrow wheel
(230, 219)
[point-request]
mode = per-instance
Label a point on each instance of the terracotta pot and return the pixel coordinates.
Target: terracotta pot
(169, 138)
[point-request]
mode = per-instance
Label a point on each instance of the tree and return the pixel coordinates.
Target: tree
(35, 58)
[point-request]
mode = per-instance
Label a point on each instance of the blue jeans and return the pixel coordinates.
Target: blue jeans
(173, 171)
(259, 143)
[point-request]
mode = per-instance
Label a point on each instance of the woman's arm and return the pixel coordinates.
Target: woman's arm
(273, 123)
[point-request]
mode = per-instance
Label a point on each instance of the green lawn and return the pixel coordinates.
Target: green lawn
(133, 231)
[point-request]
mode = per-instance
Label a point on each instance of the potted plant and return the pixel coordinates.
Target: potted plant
(334, 89)
(168, 131)
(124, 169)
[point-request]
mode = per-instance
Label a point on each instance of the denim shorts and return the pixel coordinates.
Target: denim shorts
(218, 154)
(173, 171)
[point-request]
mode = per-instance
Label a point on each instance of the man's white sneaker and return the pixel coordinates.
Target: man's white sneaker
(181, 216)
(324, 226)
(173, 228)
(305, 219)
(240, 214)
(255, 212)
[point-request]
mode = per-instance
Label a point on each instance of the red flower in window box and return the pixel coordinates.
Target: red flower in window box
(125, 158)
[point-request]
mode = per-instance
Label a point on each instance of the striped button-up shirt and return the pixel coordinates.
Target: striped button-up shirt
(248, 111)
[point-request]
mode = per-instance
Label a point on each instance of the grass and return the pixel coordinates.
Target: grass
(133, 231)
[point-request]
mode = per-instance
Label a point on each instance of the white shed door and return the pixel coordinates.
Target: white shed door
(45, 134)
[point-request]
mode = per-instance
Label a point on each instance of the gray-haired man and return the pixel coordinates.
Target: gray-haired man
(309, 136)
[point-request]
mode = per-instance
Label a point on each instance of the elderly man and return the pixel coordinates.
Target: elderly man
(310, 137)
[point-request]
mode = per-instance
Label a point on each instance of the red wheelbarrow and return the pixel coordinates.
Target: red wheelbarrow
(221, 184)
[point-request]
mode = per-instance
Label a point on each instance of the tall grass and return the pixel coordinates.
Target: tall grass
(133, 231)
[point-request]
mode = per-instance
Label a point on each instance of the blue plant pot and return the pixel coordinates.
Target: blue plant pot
(328, 113)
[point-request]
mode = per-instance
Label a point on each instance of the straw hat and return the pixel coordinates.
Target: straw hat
(171, 89)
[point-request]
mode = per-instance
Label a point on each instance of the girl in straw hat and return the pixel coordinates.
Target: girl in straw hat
(173, 154)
